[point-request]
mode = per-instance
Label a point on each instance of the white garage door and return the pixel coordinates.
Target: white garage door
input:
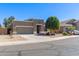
(24, 30)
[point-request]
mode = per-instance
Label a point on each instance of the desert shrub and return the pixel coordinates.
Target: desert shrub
(71, 28)
(65, 33)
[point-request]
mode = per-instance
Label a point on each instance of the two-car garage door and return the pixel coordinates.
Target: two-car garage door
(24, 30)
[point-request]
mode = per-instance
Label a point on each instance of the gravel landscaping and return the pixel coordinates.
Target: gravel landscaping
(7, 38)
(31, 37)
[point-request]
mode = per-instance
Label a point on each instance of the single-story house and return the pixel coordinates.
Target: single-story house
(76, 24)
(30, 27)
(64, 26)
(27, 27)
(36, 26)
(67, 23)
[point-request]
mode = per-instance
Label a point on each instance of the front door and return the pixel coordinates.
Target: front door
(38, 28)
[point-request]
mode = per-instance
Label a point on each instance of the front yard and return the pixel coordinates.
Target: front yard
(30, 37)
(7, 38)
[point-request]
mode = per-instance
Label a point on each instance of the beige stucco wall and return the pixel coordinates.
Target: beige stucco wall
(27, 29)
(26, 26)
(22, 23)
(38, 23)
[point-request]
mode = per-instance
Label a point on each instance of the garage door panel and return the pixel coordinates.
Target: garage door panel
(24, 30)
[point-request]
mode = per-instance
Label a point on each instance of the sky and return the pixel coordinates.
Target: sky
(22, 11)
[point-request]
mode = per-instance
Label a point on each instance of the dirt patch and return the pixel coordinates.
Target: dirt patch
(5, 38)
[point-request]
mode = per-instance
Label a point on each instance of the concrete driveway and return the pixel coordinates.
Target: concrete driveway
(62, 47)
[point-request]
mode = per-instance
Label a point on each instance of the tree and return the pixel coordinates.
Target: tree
(52, 23)
(8, 21)
(5, 22)
(71, 21)
(11, 19)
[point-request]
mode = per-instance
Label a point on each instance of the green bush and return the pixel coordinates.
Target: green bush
(65, 33)
(71, 28)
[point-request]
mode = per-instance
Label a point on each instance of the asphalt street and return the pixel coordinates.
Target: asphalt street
(64, 47)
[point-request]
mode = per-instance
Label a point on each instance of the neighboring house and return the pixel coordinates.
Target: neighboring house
(27, 27)
(64, 26)
(67, 23)
(76, 24)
